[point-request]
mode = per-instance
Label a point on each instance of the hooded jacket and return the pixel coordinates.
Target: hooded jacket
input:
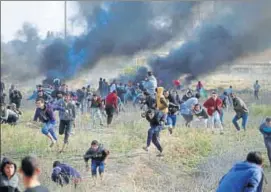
(63, 173)
(244, 176)
(161, 102)
(239, 106)
(6, 184)
(69, 112)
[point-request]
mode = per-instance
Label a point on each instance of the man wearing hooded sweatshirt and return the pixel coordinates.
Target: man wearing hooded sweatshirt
(66, 117)
(245, 176)
(265, 129)
(162, 103)
(213, 106)
(9, 180)
(187, 107)
(64, 174)
(241, 111)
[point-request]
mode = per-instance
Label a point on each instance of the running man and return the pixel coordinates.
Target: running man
(45, 114)
(98, 155)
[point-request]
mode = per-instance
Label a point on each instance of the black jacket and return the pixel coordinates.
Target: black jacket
(157, 119)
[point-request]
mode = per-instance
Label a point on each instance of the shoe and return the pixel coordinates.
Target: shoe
(170, 131)
(160, 154)
(52, 144)
(146, 149)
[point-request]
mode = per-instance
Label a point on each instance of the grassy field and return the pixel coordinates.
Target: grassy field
(194, 160)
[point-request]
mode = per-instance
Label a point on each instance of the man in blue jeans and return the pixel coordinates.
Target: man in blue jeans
(156, 120)
(45, 114)
(241, 110)
(265, 129)
(98, 155)
(172, 111)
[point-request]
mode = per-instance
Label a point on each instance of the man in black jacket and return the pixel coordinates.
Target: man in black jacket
(172, 111)
(156, 120)
(15, 96)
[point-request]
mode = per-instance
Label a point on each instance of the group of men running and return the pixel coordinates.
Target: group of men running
(160, 108)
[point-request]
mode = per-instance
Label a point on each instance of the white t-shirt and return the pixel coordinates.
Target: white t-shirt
(113, 87)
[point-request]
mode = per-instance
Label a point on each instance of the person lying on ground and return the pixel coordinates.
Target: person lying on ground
(30, 171)
(245, 176)
(64, 174)
(157, 121)
(98, 155)
(265, 129)
(9, 180)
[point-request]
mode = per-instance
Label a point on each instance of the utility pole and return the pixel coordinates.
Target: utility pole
(65, 19)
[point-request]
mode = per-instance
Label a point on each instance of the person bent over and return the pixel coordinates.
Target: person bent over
(45, 114)
(213, 106)
(98, 155)
(265, 129)
(241, 111)
(201, 115)
(246, 176)
(64, 174)
(156, 120)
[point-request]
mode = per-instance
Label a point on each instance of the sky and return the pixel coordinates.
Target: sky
(45, 15)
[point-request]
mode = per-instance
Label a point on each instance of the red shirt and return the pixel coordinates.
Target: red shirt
(112, 99)
(177, 82)
(216, 104)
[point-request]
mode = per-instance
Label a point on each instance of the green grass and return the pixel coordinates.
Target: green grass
(261, 110)
(184, 151)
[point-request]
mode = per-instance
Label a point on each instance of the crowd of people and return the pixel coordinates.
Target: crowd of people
(160, 107)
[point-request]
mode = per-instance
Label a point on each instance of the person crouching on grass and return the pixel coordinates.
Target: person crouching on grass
(45, 114)
(98, 155)
(63, 174)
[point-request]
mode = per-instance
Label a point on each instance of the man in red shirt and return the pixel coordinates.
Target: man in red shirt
(111, 105)
(214, 106)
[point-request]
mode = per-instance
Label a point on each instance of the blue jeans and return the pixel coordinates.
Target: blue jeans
(171, 120)
(153, 135)
(49, 128)
(95, 165)
(244, 117)
(222, 116)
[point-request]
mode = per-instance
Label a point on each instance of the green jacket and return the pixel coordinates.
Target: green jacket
(239, 106)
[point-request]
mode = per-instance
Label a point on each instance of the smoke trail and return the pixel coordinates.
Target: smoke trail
(20, 56)
(236, 29)
(117, 29)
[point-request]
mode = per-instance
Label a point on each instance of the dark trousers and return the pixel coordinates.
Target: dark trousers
(65, 127)
(109, 109)
(153, 136)
(267, 142)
